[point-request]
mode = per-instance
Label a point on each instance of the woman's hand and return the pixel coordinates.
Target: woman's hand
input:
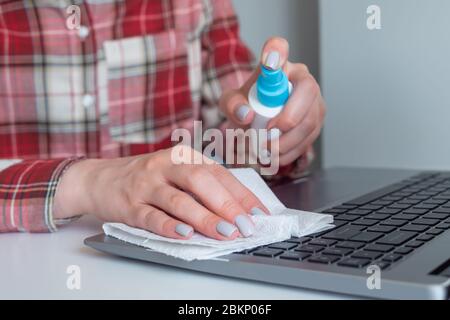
(300, 122)
(152, 192)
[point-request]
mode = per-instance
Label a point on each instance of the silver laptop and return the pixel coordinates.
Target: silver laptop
(391, 239)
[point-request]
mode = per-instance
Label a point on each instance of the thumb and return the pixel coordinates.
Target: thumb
(234, 105)
(275, 53)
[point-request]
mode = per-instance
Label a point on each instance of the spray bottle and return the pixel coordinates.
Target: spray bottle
(268, 96)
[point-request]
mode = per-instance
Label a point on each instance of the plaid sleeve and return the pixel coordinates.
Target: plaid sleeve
(227, 62)
(27, 190)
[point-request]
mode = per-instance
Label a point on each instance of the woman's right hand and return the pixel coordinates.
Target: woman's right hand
(152, 192)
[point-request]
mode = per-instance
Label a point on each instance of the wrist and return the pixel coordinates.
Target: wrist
(72, 193)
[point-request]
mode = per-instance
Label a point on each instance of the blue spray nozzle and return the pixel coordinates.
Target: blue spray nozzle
(272, 87)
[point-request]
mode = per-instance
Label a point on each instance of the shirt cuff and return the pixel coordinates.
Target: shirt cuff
(27, 193)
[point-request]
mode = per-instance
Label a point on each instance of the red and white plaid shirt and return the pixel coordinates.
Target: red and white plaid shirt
(133, 72)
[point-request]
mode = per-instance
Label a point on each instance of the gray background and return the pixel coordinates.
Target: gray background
(388, 91)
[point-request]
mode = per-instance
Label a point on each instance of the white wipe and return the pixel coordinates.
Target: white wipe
(280, 226)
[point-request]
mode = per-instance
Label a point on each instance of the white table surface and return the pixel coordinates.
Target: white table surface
(33, 266)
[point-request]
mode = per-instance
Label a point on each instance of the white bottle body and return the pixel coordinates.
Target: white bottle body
(263, 114)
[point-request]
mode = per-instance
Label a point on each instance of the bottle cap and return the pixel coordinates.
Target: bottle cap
(272, 87)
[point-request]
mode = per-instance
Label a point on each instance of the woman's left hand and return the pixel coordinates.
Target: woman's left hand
(300, 122)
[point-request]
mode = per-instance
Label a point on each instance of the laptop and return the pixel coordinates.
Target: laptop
(391, 238)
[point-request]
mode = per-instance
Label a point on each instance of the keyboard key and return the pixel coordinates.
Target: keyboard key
(426, 222)
(338, 223)
(291, 255)
(403, 250)
(391, 198)
(366, 255)
(416, 211)
(354, 262)
(319, 234)
(426, 206)
(370, 207)
(337, 251)
(323, 259)
(365, 222)
(248, 251)
(414, 244)
(322, 242)
(403, 193)
(409, 201)
(443, 226)
(414, 228)
(381, 203)
(443, 197)
(379, 248)
(403, 216)
(378, 216)
(397, 238)
(367, 236)
(346, 217)
(350, 245)
(282, 245)
(439, 216)
(428, 193)
(392, 257)
(343, 206)
(383, 229)
(382, 264)
(417, 197)
(436, 201)
(267, 252)
(389, 212)
(335, 211)
(425, 237)
(344, 232)
(394, 223)
(301, 240)
(442, 210)
(435, 232)
(309, 248)
(359, 212)
(401, 206)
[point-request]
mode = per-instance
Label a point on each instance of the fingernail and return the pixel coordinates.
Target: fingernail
(184, 230)
(265, 154)
(265, 157)
(226, 229)
(242, 112)
(257, 212)
(246, 227)
(272, 60)
(274, 133)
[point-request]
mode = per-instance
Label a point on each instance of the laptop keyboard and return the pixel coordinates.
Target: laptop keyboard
(380, 228)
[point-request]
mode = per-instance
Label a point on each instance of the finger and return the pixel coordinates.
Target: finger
(234, 103)
(182, 206)
(305, 92)
(298, 134)
(300, 150)
(235, 106)
(241, 193)
(199, 181)
(154, 220)
(275, 53)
